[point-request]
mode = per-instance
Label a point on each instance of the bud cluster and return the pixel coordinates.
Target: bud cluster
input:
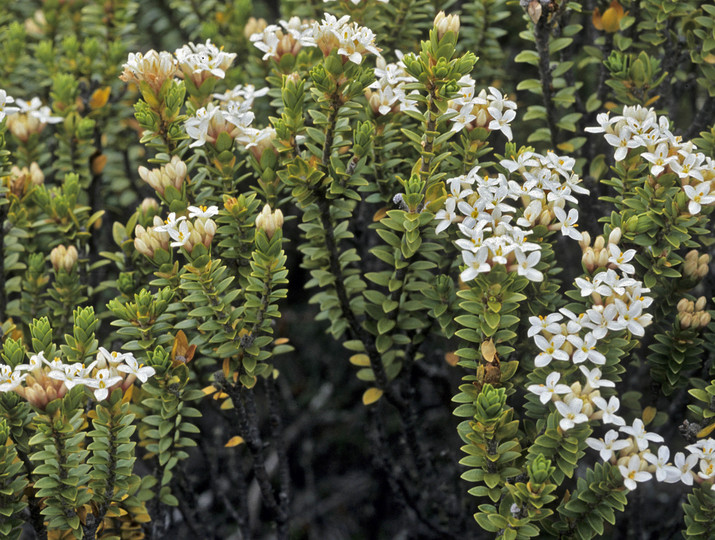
(269, 221)
(147, 241)
(692, 314)
(171, 174)
(696, 266)
(22, 180)
(63, 258)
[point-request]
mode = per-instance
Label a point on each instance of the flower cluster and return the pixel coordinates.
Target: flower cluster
(287, 37)
(492, 111)
(241, 95)
(170, 174)
(153, 69)
(187, 234)
(202, 61)
(637, 463)
(41, 381)
(5, 107)
(481, 208)
(639, 127)
(26, 118)
(211, 121)
(351, 40)
(387, 94)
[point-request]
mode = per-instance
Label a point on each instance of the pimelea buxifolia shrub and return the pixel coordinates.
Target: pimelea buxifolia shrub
(149, 200)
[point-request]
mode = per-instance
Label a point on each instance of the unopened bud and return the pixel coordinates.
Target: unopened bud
(589, 260)
(685, 319)
(690, 268)
(63, 258)
(615, 236)
(268, 221)
(585, 240)
(446, 23)
(254, 26)
(545, 218)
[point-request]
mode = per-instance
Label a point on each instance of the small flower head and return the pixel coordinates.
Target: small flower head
(64, 258)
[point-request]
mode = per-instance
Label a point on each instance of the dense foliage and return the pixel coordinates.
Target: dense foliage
(379, 269)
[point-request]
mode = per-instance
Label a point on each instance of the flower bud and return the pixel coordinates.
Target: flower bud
(149, 206)
(268, 221)
(63, 258)
(585, 240)
(589, 260)
(685, 319)
(446, 23)
(615, 236)
(254, 26)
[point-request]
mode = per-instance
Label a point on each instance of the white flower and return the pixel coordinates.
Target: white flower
(37, 110)
(476, 264)
(200, 60)
(620, 259)
(9, 380)
(704, 449)
(463, 116)
(585, 349)
(609, 410)
(609, 445)
(170, 223)
(622, 142)
(447, 215)
(112, 358)
(640, 435)
(571, 413)
(549, 324)
(604, 122)
(682, 469)
(36, 362)
(593, 378)
(102, 382)
(689, 168)
(180, 235)
(547, 390)
(659, 158)
(632, 317)
(660, 461)
(568, 223)
(632, 473)
(132, 367)
(202, 211)
(526, 265)
(698, 196)
(551, 350)
(501, 121)
(73, 374)
(5, 109)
